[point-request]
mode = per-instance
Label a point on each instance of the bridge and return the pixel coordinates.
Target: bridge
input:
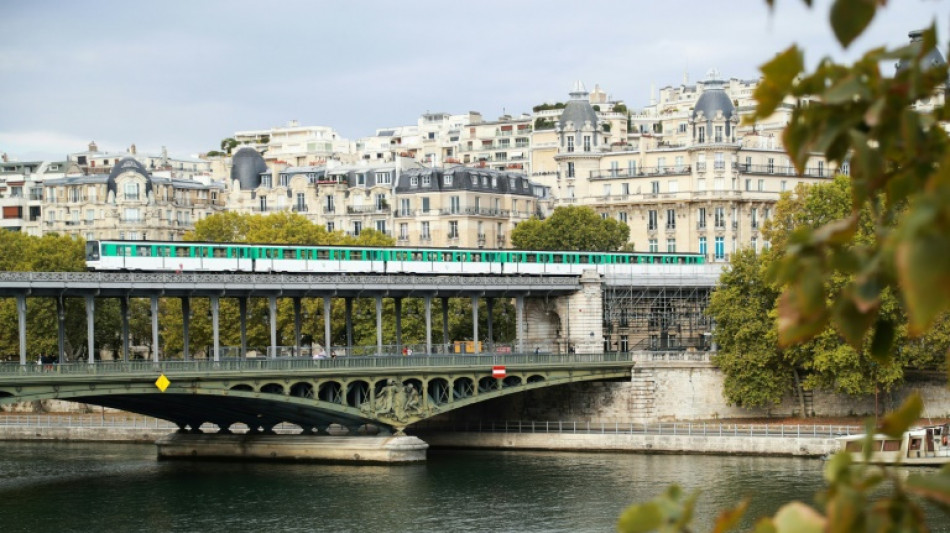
(390, 393)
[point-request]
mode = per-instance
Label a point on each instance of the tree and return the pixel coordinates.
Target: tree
(899, 164)
(228, 144)
(571, 228)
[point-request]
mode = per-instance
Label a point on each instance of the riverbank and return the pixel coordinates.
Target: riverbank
(794, 440)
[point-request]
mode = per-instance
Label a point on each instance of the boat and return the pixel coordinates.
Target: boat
(923, 446)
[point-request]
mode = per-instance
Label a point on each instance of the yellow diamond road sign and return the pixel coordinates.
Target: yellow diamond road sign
(162, 383)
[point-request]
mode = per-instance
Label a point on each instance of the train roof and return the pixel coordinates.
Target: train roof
(356, 246)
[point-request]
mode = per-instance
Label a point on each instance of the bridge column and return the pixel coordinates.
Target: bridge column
(242, 310)
(296, 301)
(61, 328)
(475, 349)
(155, 328)
(124, 311)
(215, 331)
(489, 303)
(185, 323)
(272, 313)
(445, 325)
(21, 325)
(379, 325)
(327, 339)
(428, 312)
(519, 323)
(91, 329)
(397, 307)
(348, 317)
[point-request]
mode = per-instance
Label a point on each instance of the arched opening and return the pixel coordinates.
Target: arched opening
(273, 388)
(301, 390)
(439, 392)
(330, 392)
(487, 384)
(357, 392)
(511, 381)
(463, 388)
(535, 379)
(242, 388)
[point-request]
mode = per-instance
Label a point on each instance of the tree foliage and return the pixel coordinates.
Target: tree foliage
(571, 228)
(857, 275)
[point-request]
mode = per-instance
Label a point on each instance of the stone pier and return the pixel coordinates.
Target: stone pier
(321, 448)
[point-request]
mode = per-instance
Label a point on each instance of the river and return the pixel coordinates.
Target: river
(58, 487)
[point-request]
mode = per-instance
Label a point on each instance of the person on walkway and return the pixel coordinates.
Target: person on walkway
(537, 350)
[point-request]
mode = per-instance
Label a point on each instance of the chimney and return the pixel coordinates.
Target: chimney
(5, 157)
(132, 149)
(93, 147)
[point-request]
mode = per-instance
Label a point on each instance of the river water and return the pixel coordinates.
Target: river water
(46, 486)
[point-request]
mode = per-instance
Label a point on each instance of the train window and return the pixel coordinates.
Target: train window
(323, 253)
(290, 253)
(531, 258)
(447, 256)
(583, 259)
(219, 252)
(143, 251)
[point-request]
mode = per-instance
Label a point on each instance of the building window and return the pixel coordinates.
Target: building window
(671, 246)
(301, 202)
(403, 232)
(453, 229)
(651, 220)
(702, 134)
(631, 168)
(614, 169)
(754, 215)
(718, 134)
(381, 226)
(570, 144)
(384, 178)
(454, 205)
(131, 191)
(284, 179)
(720, 248)
(404, 207)
(771, 165)
(360, 180)
(331, 227)
(720, 162)
(414, 181)
(357, 228)
(604, 215)
(670, 219)
(720, 218)
(587, 143)
(424, 230)
(622, 216)
(330, 206)
(570, 170)
(783, 186)
(263, 204)
(655, 187)
(425, 204)
(624, 189)
(701, 218)
(702, 245)
(447, 179)
(654, 246)
(682, 127)
(426, 180)
(761, 185)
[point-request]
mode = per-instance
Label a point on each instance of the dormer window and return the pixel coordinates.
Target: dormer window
(570, 144)
(702, 134)
(414, 181)
(448, 179)
(426, 180)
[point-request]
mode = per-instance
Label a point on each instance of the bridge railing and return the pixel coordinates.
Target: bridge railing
(348, 362)
(706, 429)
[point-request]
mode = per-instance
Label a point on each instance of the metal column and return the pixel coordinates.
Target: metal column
(215, 331)
(379, 325)
(475, 349)
(491, 335)
(348, 317)
(124, 310)
(91, 328)
(185, 326)
(519, 322)
(296, 326)
(272, 310)
(428, 311)
(21, 325)
(397, 307)
(61, 327)
(327, 346)
(155, 328)
(242, 310)
(445, 325)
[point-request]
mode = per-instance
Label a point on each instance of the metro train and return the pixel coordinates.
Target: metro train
(152, 256)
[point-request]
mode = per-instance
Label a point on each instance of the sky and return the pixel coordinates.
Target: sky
(186, 74)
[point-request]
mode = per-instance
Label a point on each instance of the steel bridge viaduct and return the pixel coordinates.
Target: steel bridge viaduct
(385, 394)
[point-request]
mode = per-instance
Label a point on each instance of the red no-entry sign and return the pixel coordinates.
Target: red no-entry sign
(498, 372)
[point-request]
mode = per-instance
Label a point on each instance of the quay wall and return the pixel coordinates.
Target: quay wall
(684, 393)
(100, 434)
(619, 442)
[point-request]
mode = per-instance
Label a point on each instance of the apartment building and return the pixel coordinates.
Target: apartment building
(21, 191)
(296, 145)
(690, 177)
(94, 161)
(128, 203)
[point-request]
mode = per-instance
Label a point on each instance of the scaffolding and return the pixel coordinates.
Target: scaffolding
(668, 315)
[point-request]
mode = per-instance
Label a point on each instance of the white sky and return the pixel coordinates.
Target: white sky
(185, 74)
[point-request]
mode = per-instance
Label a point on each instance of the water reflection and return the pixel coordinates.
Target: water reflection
(87, 487)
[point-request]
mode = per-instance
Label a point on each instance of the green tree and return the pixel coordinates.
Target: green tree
(571, 228)
(228, 144)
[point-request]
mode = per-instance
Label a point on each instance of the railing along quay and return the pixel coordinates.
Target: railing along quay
(350, 362)
(696, 429)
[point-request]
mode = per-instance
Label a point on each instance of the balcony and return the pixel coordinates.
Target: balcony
(300, 209)
(365, 209)
(329, 210)
(614, 173)
(481, 239)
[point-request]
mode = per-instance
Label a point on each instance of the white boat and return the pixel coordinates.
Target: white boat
(925, 446)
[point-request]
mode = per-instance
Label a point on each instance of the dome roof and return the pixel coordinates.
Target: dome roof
(714, 99)
(933, 58)
(578, 110)
(246, 167)
(128, 164)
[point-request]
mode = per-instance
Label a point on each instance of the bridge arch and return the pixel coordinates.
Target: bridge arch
(272, 388)
(302, 389)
